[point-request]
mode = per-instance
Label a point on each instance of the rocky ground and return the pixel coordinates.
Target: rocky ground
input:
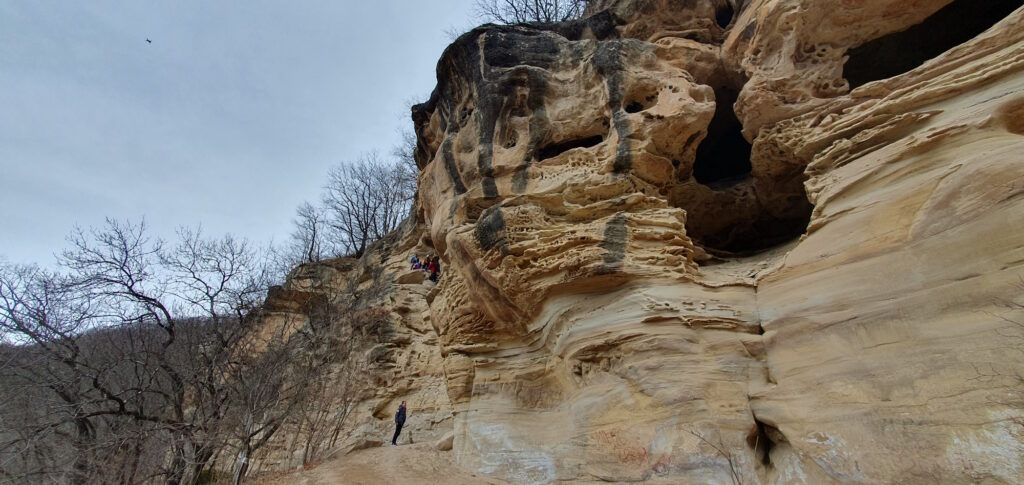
(411, 464)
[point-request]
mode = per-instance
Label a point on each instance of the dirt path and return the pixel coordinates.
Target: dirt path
(406, 464)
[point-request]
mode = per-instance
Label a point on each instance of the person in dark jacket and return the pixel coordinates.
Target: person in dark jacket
(399, 421)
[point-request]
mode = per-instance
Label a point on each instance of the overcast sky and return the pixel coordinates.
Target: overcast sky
(230, 118)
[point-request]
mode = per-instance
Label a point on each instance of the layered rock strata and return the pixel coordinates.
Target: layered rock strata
(636, 286)
(404, 364)
(678, 247)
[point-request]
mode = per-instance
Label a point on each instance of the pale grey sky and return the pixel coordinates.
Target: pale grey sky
(230, 118)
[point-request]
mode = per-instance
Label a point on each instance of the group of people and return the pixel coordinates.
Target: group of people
(430, 264)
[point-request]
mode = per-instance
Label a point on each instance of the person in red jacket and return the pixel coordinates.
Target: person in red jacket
(435, 268)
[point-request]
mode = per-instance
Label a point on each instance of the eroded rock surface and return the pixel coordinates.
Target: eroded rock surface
(677, 247)
(621, 204)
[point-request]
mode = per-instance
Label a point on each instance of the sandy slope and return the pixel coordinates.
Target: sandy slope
(405, 464)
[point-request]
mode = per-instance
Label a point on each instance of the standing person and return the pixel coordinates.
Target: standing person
(399, 421)
(435, 268)
(415, 261)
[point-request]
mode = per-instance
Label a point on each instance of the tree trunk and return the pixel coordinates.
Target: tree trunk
(243, 464)
(176, 473)
(244, 453)
(83, 441)
(179, 464)
(202, 457)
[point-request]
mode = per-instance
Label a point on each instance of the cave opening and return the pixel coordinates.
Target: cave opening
(762, 439)
(731, 210)
(723, 157)
(899, 52)
(723, 16)
(555, 149)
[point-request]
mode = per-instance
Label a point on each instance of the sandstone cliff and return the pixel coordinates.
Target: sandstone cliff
(678, 247)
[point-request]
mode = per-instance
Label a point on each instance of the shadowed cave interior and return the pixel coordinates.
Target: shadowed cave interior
(724, 15)
(743, 214)
(723, 157)
(735, 213)
(900, 52)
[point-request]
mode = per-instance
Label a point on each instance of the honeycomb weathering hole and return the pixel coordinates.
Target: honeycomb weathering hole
(899, 52)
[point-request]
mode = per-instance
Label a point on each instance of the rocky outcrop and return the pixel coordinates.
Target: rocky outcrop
(677, 247)
(365, 387)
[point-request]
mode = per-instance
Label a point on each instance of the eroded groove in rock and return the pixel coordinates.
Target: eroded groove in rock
(761, 440)
(899, 52)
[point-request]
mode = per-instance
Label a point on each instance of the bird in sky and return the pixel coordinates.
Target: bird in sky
(149, 41)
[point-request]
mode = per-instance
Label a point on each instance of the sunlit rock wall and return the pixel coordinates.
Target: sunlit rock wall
(677, 247)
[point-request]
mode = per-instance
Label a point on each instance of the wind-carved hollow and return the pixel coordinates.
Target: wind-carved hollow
(900, 52)
(723, 157)
(641, 97)
(553, 150)
(731, 209)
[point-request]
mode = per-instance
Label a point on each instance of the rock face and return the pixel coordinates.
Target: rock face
(677, 247)
(404, 365)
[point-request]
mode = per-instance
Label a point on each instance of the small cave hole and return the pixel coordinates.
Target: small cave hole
(723, 157)
(555, 149)
(640, 101)
(511, 140)
(899, 52)
(762, 439)
(723, 16)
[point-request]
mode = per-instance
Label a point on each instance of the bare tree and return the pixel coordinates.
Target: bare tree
(367, 199)
(150, 361)
(338, 336)
(522, 11)
(722, 451)
(265, 389)
(134, 338)
(405, 151)
(309, 234)
(38, 312)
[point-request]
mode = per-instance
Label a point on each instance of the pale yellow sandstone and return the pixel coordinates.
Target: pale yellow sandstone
(848, 312)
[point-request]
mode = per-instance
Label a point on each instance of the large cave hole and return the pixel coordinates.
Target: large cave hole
(899, 52)
(723, 157)
(731, 211)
